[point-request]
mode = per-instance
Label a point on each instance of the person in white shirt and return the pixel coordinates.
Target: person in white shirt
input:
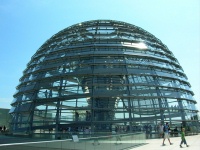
(160, 130)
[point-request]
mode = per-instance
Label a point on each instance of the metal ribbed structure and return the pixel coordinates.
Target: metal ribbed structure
(101, 74)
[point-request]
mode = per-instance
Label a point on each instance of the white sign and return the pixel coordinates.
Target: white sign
(75, 138)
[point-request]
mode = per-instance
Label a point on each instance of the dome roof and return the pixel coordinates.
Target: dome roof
(98, 74)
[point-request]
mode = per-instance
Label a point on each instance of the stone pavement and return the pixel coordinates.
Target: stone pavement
(152, 144)
(156, 144)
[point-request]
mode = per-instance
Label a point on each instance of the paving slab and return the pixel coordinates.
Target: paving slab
(150, 144)
(156, 144)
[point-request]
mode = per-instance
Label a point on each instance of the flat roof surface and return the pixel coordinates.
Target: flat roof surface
(152, 144)
(156, 144)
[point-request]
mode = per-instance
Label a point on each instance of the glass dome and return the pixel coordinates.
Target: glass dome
(101, 74)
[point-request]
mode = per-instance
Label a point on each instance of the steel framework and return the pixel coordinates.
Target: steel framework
(101, 74)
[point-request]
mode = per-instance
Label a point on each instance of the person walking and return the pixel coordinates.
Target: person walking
(166, 129)
(176, 131)
(160, 130)
(183, 140)
(4, 128)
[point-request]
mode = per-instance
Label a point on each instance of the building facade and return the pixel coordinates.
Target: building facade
(100, 75)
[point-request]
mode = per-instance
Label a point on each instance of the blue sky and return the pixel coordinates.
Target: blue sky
(26, 24)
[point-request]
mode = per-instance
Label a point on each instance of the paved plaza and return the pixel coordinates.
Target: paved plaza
(156, 144)
(151, 144)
